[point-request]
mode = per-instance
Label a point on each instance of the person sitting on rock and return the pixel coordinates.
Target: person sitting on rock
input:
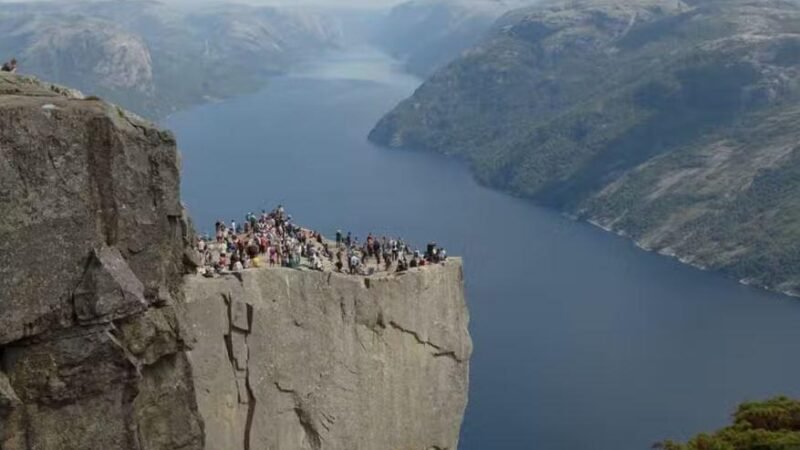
(430, 252)
(273, 256)
(355, 262)
(253, 250)
(316, 262)
(237, 266)
(10, 66)
(402, 265)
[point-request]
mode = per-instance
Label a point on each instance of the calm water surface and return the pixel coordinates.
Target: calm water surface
(581, 340)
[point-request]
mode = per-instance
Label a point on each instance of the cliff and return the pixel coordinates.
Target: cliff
(92, 243)
(671, 122)
(109, 341)
(308, 360)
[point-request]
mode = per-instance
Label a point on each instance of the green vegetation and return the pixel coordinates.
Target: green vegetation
(769, 425)
(673, 122)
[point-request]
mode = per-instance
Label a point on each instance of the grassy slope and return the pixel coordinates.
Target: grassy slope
(671, 122)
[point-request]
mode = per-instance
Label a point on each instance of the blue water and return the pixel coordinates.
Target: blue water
(582, 341)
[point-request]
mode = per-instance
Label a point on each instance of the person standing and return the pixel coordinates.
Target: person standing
(10, 66)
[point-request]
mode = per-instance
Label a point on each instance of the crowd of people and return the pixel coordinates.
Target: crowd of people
(387, 253)
(272, 239)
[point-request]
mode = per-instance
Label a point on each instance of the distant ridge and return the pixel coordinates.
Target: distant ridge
(671, 122)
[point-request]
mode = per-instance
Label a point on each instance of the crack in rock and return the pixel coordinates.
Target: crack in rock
(314, 438)
(313, 435)
(440, 351)
(239, 317)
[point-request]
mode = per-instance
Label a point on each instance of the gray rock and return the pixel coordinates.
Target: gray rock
(105, 344)
(91, 222)
(109, 289)
(72, 180)
(192, 259)
(70, 386)
(152, 335)
(329, 362)
(8, 398)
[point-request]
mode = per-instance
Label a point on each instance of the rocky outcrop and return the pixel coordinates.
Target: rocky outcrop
(92, 242)
(290, 359)
(108, 342)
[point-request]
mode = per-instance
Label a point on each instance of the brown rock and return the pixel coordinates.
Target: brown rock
(91, 216)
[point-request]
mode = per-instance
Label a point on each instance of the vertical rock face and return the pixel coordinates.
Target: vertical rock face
(105, 343)
(92, 245)
(305, 360)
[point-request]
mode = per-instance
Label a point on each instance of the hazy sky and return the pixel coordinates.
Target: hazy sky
(365, 3)
(375, 4)
(327, 3)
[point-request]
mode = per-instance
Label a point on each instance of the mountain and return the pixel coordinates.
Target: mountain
(672, 122)
(427, 34)
(154, 58)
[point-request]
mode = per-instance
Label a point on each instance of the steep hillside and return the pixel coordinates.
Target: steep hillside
(155, 58)
(428, 34)
(673, 122)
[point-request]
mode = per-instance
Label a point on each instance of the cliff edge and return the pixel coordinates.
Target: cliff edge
(108, 339)
(309, 360)
(92, 240)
